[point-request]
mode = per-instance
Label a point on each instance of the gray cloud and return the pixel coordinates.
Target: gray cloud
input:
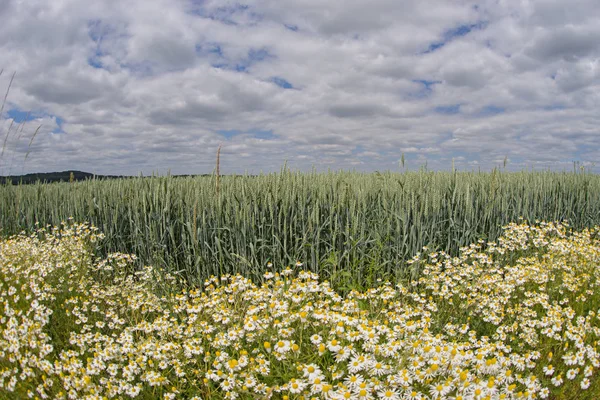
(578, 76)
(356, 110)
(71, 91)
(133, 86)
(568, 43)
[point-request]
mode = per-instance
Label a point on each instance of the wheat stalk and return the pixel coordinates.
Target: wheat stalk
(217, 172)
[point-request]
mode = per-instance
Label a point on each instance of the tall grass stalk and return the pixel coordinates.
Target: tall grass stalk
(217, 171)
(19, 129)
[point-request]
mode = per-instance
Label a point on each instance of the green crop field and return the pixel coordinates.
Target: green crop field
(351, 228)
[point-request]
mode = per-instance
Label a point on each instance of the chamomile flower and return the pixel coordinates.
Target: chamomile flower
(572, 373)
(316, 339)
(585, 383)
(388, 394)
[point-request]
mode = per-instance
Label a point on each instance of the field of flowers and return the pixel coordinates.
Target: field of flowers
(515, 318)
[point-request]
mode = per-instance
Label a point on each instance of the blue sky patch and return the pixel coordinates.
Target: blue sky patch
(282, 83)
(229, 133)
(459, 31)
(254, 56)
(434, 46)
(256, 133)
(221, 14)
(462, 30)
(97, 31)
(225, 14)
(94, 61)
(140, 69)
(425, 90)
(291, 27)
(220, 65)
(241, 67)
(19, 116)
(262, 134)
(209, 48)
(491, 110)
(358, 149)
(554, 107)
(24, 116)
(427, 84)
(449, 109)
(59, 122)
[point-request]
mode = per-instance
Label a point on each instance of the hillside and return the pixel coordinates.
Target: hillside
(64, 176)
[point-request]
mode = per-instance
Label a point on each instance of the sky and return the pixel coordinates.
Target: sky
(156, 86)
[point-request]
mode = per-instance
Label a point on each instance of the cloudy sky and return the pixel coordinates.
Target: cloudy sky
(123, 87)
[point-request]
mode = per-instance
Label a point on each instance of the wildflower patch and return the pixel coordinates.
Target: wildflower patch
(517, 318)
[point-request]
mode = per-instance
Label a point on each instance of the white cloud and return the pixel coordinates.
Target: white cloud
(124, 87)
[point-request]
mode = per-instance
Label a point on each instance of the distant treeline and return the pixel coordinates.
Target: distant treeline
(50, 177)
(64, 176)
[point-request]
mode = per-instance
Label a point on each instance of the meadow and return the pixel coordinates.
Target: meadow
(350, 228)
